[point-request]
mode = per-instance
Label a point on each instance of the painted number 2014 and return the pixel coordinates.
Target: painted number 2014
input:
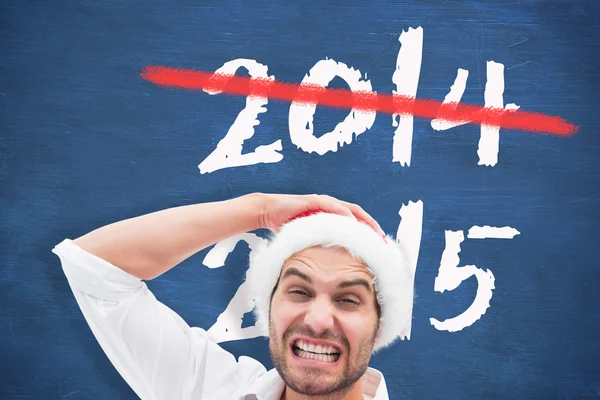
(228, 153)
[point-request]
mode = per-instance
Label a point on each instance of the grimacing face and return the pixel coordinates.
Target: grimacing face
(323, 322)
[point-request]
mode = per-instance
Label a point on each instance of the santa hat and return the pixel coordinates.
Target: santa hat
(381, 254)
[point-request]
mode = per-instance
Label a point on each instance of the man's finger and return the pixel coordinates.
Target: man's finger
(363, 215)
(337, 207)
(329, 204)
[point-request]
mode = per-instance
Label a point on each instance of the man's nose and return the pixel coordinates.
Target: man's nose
(319, 315)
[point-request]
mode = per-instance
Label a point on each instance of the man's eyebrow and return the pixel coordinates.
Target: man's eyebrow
(296, 272)
(292, 271)
(356, 282)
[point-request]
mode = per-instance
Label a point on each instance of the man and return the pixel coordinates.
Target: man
(329, 288)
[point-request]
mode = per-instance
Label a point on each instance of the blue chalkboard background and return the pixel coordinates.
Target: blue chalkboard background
(85, 141)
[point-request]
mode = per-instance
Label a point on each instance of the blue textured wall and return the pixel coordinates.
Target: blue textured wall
(85, 141)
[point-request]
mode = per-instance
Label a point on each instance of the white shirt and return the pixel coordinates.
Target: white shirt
(155, 350)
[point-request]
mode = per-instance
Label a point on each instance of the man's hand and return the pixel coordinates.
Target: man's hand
(277, 209)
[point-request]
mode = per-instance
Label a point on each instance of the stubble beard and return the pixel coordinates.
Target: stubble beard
(309, 382)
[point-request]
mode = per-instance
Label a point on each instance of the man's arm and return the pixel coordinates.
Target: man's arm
(150, 245)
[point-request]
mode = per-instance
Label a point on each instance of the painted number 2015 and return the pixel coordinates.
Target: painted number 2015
(228, 326)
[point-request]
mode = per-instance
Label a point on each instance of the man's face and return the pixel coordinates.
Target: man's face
(323, 321)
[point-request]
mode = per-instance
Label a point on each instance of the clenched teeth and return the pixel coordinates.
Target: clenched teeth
(316, 352)
(316, 349)
(318, 357)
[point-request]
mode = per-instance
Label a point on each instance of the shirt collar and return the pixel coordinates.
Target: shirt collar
(270, 386)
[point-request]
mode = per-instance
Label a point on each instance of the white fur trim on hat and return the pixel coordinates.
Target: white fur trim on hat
(393, 280)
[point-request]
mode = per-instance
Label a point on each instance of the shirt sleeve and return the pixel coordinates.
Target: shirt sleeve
(151, 346)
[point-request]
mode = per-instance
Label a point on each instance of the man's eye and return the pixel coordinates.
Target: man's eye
(349, 301)
(299, 292)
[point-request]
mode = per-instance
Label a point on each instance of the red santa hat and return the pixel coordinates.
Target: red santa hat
(382, 255)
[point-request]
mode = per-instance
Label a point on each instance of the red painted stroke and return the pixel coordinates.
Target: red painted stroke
(359, 101)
